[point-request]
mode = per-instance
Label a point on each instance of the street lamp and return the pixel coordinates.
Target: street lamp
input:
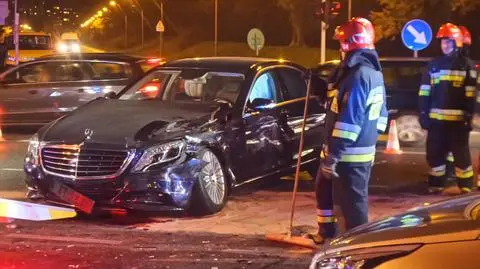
(137, 5)
(105, 9)
(115, 4)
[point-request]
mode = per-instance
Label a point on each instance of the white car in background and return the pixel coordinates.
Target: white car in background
(69, 43)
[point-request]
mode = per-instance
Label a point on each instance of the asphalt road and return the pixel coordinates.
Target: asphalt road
(234, 238)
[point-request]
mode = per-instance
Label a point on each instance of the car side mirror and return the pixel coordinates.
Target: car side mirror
(110, 95)
(223, 112)
(260, 104)
(319, 86)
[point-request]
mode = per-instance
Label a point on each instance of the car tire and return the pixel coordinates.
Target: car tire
(410, 133)
(210, 192)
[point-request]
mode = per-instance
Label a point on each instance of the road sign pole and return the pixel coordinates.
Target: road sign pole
(415, 54)
(161, 32)
(16, 34)
(215, 49)
(323, 35)
(323, 42)
(349, 9)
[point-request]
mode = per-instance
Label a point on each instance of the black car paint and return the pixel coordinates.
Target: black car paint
(249, 145)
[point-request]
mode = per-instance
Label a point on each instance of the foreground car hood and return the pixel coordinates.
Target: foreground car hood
(440, 222)
(120, 121)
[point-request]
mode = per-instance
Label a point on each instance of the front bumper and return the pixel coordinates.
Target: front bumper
(167, 188)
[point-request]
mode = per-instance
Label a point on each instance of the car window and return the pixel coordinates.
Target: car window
(204, 88)
(405, 76)
(188, 85)
(265, 88)
(150, 87)
(30, 42)
(109, 71)
(70, 71)
(31, 73)
(294, 83)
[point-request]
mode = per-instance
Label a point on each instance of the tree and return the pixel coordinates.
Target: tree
(297, 10)
(395, 13)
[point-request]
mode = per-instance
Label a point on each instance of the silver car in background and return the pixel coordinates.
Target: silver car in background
(37, 92)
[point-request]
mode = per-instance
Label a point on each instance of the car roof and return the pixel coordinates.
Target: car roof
(94, 56)
(240, 64)
(388, 59)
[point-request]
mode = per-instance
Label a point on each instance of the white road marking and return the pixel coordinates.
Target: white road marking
(64, 239)
(12, 169)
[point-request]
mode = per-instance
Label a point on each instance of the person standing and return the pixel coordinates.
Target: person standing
(357, 113)
(447, 102)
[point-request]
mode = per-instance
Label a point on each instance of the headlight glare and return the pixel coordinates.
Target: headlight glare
(159, 154)
(33, 150)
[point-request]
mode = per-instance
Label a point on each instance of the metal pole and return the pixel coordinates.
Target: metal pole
(126, 31)
(349, 9)
(161, 33)
(415, 54)
(16, 30)
(143, 30)
(323, 36)
(216, 29)
(323, 43)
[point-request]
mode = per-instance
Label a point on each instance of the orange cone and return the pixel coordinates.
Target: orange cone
(393, 144)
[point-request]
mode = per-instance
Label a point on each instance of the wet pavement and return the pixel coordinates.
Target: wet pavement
(234, 238)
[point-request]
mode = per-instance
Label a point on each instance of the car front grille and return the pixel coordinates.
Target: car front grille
(79, 162)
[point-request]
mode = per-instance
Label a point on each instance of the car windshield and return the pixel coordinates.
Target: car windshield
(30, 42)
(187, 86)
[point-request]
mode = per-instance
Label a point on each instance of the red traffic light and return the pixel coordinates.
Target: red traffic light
(335, 8)
(327, 8)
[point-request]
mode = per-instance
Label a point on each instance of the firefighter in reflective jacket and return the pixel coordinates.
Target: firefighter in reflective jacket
(447, 102)
(465, 52)
(357, 113)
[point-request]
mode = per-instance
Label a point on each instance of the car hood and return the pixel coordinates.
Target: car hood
(126, 121)
(452, 220)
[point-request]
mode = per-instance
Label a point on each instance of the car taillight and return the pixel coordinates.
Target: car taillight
(151, 89)
(156, 61)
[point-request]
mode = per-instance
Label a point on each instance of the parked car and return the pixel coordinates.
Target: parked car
(40, 91)
(181, 137)
(441, 235)
(402, 81)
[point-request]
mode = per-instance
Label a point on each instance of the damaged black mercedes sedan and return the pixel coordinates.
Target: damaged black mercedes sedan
(179, 138)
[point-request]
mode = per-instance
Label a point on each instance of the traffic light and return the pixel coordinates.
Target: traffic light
(327, 9)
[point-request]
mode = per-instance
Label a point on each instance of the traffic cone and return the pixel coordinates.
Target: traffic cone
(393, 144)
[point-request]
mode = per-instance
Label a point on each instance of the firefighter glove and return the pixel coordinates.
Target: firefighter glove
(328, 168)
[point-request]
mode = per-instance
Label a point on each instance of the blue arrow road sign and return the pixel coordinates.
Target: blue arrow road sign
(416, 35)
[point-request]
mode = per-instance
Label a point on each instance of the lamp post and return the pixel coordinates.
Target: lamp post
(16, 35)
(115, 4)
(215, 50)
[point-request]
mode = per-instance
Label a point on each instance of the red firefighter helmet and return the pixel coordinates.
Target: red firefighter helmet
(467, 36)
(451, 31)
(358, 33)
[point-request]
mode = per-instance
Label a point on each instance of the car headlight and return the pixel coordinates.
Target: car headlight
(62, 47)
(75, 48)
(360, 258)
(159, 154)
(33, 150)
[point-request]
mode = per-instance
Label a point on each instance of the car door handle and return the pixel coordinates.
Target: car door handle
(80, 90)
(33, 91)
